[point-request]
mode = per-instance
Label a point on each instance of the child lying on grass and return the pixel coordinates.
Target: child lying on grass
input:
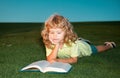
(62, 43)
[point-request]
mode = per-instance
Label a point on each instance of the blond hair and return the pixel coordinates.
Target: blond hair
(57, 21)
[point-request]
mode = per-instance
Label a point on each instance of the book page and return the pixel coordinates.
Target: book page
(58, 67)
(38, 64)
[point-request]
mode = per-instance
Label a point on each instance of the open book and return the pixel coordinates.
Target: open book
(44, 66)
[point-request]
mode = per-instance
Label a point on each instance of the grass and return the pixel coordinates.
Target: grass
(22, 46)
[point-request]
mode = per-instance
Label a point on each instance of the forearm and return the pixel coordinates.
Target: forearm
(67, 60)
(53, 54)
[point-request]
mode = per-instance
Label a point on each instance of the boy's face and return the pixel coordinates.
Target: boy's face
(56, 35)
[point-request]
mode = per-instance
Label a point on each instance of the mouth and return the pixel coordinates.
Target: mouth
(55, 40)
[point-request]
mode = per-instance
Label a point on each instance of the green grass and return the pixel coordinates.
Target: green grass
(22, 46)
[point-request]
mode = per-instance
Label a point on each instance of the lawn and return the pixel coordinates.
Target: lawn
(21, 44)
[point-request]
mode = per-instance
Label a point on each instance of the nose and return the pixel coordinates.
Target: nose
(55, 35)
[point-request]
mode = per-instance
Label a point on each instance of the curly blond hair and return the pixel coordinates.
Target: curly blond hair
(58, 21)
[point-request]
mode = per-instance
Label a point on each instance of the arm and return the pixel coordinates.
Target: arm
(53, 54)
(68, 60)
(52, 57)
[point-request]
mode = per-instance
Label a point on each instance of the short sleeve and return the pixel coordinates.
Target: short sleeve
(74, 50)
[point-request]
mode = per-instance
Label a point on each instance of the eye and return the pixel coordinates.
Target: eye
(59, 33)
(51, 32)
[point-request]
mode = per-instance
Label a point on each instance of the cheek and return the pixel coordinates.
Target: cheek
(50, 36)
(62, 36)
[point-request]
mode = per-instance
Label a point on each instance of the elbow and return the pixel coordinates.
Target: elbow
(51, 60)
(74, 60)
(48, 59)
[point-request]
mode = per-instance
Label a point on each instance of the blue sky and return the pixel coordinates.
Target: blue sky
(74, 10)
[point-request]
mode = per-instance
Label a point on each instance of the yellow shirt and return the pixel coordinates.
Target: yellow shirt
(77, 49)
